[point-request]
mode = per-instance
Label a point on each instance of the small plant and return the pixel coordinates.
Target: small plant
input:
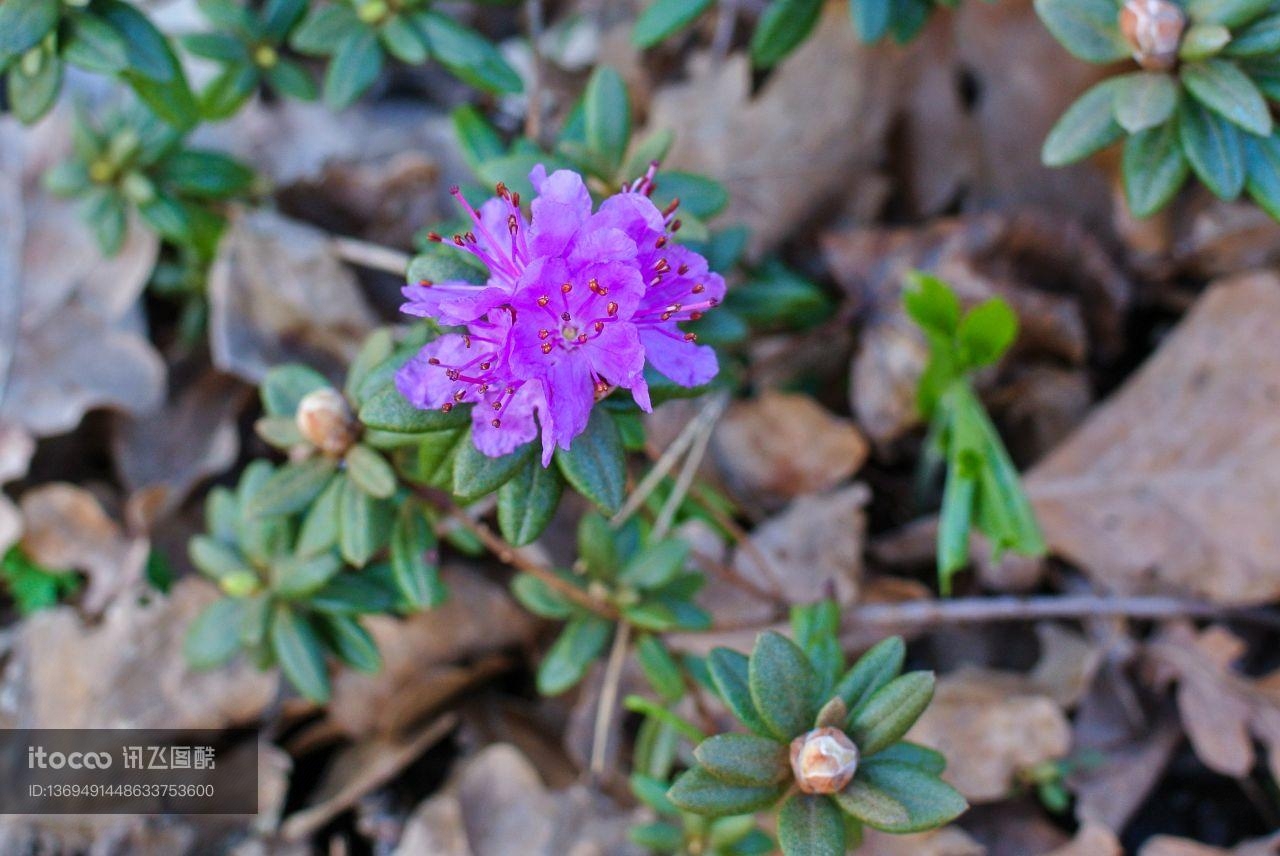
(1198, 103)
(982, 487)
(135, 161)
(825, 744)
(32, 586)
(250, 47)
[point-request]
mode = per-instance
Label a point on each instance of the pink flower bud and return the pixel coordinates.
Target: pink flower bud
(325, 419)
(823, 761)
(1153, 28)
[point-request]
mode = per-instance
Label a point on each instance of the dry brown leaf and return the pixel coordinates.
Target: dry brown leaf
(991, 727)
(948, 841)
(1092, 840)
(496, 805)
(71, 333)
(1167, 845)
(1222, 711)
(168, 452)
(1173, 485)
(814, 134)
(65, 528)
(127, 670)
(780, 445)
(278, 293)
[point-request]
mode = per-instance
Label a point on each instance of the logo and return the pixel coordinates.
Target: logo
(39, 759)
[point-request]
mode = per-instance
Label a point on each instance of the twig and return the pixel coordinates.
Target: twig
(609, 696)
(979, 610)
(726, 23)
(533, 116)
(372, 256)
(706, 419)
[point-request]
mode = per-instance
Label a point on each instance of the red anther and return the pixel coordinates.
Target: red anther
(496, 423)
(666, 316)
(599, 325)
(662, 266)
(661, 242)
(446, 407)
(566, 288)
(699, 288)
(453, 374)
(611, 309)
(565, 316)
(594, 285)
(435, 236)
(459, 394)
(425, 283)
(466, 340)
(502, 190)
(691, 337)
(675, 225)
(582, 339)
(542, 334)
(682, 270)
(546, 347)
(484, 387)
(454, 190)
(671, 207)
(515, 199)
(471, 237)
(497, 405)
(513, 225)
(484, 367)
(543, 300)
(435, 361)
(694, 316)
(457, 239)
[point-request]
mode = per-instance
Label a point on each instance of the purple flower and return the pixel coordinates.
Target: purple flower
(575, 305)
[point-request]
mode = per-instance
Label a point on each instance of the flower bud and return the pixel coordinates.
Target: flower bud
(1153, 28)
(325, 419)
(823, 761)
(240, 584)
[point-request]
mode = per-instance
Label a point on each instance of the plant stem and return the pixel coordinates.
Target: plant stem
(979, 610)
(372, 256)
(609, 696)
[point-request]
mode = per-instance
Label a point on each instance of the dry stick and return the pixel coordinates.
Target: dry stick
(372, 256)
(533, 118)
(609, 696)
(978, 610)
(744, 542)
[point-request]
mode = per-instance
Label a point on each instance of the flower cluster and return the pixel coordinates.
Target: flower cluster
(576, 304)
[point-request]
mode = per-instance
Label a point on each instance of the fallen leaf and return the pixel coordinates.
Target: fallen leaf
(1222, 711)
(825, 112)
(278, 293)
(779, 446)
(1173, 485)
(127, 670)
(1091, 840)
(72, 336)
(1167, 845)
(948, 841)
(991, 727)
(65, 528)
(496, 805)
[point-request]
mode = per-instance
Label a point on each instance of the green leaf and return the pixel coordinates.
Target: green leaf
(228, 92)
(656, 565)
(352, 643)
(205, 174)
(69, 178)
(1202, 41)
(539, 598)
(1228, 13)
(744, 759)
(608, 117)
(810, 825)
(930, 760)
(595, 464)
(598, 547)
(219, 47)
(286, 385)
(370, 471)
(215, 559)
(445, 263)
(213, 638)
(1154, 169)
(653, 148)
(872, 806)
(288, 78)
(31, 96)
(528, 501)
(414, 558)
(388, 410)
(929, 802)
(1088, 125)
(479, 141)
(364, 524)
(890, 712)
(730, 672)
(475, 474)
(229, 15)
(322, 30)
(664, 18)
(956, 517)
(377, 348)
(699, 792)
(23, 23)
(782, 683)
(1214, 148)
(1220, 85)
(879, 665)
(296, 577)
(931, 303)
(90, 43)
(1259, 39)
(1144, 99)
(281, 16)
(300, 653)
(105, 211)
(319, 529)
(700, 196)
(658, 836)
(292, 487)
(986, 332)
(1262, 158)
(661, 670)
(569, 657)
(871, 18)
(355, 65)
(1088, 29)
(782, 27)
(467, 54)
(403, 40)
(154, 72)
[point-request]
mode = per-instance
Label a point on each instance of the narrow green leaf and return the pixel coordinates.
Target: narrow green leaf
(810, 825)
(319, 529)
(730, 671)
(986, 332)
(879, 665)
(872, 806)
(1144, 99)
(1154, 169)
(403, 40)
(662, 19)
(1220, 85)
(23, 23)
(1088, 29)
(215, 559)
(300, 653)
(30, 97)
(1263, 180)
(213, 638)
(292, 488)
(955, 520)
(388, 410)
(1087, 126)
(699, 792)
(352, 643)
(288, 78)
(890, 712)
(279, 17)
(660, 668)
(364, 525)
(608, 117)
(568, 659)
(1214, 148)
(370, 471)
(782, 27)
(782, 683)
(871, 18)
(1202, 41)
(479, 140)
(931, 303)
(475, 474)
(595, 464)
(656, 565)
(204, 174)
(539, 598)
(1259, 39)
(467, 54)
(414, 557)
(930, 760)
(1228, 13)
(322, 30)
(528, 501)
(90, 43)
(930, 802)
(355, 65)
(153, 72)
(296, 577)
(744, 759)
(286, 385)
